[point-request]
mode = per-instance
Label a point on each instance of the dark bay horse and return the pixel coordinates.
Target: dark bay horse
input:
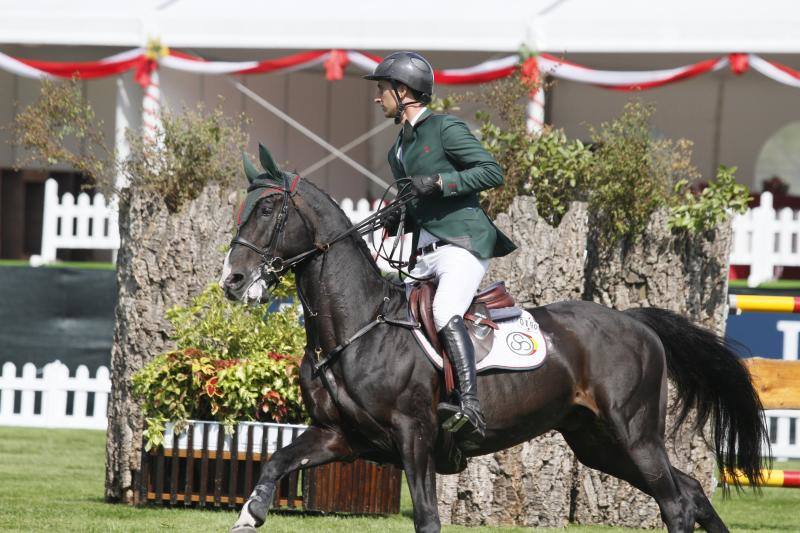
(603, 386)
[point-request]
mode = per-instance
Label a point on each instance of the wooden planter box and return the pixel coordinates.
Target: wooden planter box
(205, 467)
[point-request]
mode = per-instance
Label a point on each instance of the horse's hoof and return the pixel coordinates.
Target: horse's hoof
(243, 529)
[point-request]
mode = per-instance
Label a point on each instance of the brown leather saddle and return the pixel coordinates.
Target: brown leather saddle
(492, 304)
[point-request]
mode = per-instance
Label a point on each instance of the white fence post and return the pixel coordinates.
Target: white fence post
(762, 265)
(54, 401)
(7, 378)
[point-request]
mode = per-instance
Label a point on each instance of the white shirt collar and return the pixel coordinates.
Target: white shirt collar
(414, 120)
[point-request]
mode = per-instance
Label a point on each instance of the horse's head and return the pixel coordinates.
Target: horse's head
(270, 230)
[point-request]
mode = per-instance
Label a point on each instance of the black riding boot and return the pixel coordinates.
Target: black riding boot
(467, 418)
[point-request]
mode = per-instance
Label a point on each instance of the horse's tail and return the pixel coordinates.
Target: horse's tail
(711, 378)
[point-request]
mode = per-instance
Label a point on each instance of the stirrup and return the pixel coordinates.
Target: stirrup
(453, 418)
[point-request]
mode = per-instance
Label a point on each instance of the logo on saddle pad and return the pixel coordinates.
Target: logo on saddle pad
(521, 343)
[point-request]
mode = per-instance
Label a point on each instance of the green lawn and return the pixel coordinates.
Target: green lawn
(87, 265)
(777, 284)
(52, 480)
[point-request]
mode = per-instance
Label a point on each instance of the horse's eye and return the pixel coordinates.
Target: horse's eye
(266, 211)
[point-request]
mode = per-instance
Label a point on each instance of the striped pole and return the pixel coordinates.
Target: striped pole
(752, 303)
(151, 109)
(772, 478)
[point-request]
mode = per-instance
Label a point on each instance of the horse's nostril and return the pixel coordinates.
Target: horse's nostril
(234, 281)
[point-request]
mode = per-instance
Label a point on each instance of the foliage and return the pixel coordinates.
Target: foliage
(232, 363)
(625, 174)
(193, 148)
(61, 117)
(228, 330)
(629, 179)
(548, 165)
(700, 212)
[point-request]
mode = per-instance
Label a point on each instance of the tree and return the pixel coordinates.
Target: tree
(175, 220)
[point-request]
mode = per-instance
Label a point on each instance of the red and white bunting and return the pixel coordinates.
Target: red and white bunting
(336, 61)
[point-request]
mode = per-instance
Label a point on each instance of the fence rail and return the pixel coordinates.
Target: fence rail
(53, 399)
(90, 223)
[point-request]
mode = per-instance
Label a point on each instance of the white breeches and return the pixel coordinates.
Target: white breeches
(458, 274)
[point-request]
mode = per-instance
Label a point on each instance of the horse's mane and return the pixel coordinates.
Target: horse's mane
(355, 238)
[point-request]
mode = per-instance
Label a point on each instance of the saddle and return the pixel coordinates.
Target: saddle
(491, 305)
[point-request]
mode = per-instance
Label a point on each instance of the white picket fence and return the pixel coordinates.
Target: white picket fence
(765, 238)
(35, 400)
(90, 223)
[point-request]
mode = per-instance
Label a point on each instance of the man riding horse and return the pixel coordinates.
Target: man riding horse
(453, 237)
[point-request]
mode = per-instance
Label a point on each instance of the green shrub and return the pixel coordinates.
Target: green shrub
(194, 148)
(232, 363)
(624, 175)
(696, 213)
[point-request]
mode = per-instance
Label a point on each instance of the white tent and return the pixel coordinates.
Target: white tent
(558, 26)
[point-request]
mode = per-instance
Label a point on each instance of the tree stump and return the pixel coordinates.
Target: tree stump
(685, 275)
(529, 484)
(164, 260)
(540, 483)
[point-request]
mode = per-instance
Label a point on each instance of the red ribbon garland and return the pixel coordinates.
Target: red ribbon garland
(338, 61)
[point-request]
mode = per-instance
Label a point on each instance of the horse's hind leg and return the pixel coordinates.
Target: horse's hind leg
(315, 446)
(705, 514)
(644, 464)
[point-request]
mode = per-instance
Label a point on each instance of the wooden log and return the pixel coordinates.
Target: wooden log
(777, 382)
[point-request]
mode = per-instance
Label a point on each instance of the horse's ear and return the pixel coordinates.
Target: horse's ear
(267, 162)
(250, 169)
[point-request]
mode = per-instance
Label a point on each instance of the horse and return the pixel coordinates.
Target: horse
(603, 385)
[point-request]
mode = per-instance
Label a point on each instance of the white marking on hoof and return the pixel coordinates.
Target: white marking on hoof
(246, 522)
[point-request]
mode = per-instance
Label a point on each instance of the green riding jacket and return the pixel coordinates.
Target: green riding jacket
(443, 145)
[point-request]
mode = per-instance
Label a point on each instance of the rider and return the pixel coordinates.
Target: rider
(453, 237)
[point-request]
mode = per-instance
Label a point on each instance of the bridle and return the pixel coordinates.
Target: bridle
(273, 267)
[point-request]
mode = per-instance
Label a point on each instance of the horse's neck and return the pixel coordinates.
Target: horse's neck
(342, 287)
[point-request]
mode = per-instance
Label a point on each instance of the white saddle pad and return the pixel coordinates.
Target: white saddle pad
(518, 345)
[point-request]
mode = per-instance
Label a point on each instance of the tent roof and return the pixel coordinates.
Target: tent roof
(558, 26)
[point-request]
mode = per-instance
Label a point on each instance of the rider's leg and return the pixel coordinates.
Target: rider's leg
(459, 274)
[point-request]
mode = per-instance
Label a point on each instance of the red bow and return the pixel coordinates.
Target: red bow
(144, 69)
(739, 63)
(530, 73)
(335, 65)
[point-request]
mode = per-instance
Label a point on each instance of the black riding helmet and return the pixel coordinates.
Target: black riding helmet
(410, 69)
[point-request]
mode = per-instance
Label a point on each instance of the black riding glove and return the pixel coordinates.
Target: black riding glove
(390, 221)
(426, 186)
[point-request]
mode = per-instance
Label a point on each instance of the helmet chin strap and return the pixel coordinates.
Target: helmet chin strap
(401, 106)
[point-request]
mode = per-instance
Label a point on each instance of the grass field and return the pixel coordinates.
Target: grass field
(52, 480)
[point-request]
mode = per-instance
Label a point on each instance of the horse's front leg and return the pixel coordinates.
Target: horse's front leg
(314, 447)
(417, 445)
